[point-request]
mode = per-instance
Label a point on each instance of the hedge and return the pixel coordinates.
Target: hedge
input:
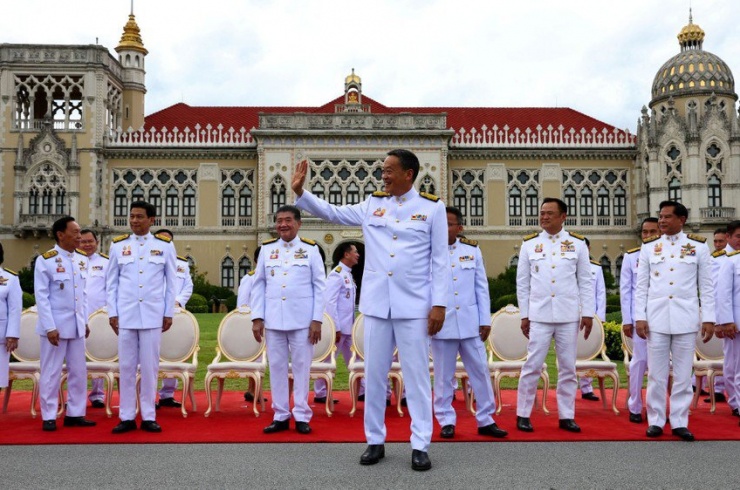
(613, 340)
(197, 304)
(28, 300)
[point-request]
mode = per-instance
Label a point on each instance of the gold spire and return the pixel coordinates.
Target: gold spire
(131, 39)
(352, 78)
(691, 36)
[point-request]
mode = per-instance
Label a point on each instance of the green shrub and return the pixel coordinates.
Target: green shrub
(613, 340)
(28, 300)
(612, 299)
(615, 317)
(197, 304)
(231, 302)
(501, 301)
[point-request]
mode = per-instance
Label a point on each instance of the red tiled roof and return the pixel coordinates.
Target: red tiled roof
(182, 115)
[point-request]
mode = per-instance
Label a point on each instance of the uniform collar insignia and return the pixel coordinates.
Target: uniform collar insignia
(379, 212)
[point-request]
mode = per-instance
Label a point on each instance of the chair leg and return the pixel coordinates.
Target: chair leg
(697, 391)
(712, 399)
(354, 382)
(108, 393)
(329, 396)
(258, 395)
(602, 391)
(545, 386)
(209, 378)
(615, 391)
(185, 390)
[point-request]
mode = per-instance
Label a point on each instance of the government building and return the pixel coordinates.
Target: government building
(75, 139)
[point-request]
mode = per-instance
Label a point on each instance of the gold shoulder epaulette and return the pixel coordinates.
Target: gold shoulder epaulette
(182, 258)
(81, 252)
(381, 194)
(431, 197)
(576, 235)
(51, 253)
(14, 273)
(633, 250)
(651, 239)
(163, 237)
(468, 241)
(121, 237)
(696, 238)
(595, 263)
(338, 269)
(271, 240)
(733, 253)
(103, 255)
(529, 237)
(718, 253)
(308, 240)
(250, 273)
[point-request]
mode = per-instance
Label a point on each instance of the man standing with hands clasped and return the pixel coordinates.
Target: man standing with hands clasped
(404, 291)
(556, 298)
(674, 267)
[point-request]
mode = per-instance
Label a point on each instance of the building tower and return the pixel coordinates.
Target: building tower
(131, 56)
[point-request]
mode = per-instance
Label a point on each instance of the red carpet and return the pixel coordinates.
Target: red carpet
(237, 423)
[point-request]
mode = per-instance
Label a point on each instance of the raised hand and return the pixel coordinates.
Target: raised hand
(299, 177)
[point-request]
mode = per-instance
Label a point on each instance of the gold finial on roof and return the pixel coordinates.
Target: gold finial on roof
(131, 38)
(691, 36)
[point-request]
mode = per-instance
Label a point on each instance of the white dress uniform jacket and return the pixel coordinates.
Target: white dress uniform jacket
(728, 311)
(138, 267)
(245, 290)
(553, 278)
(96, 282)
(597, 273)
(340, 298)
(183, 282)
(628, 285)
(395, 283)
(11, 304)
(60, 289)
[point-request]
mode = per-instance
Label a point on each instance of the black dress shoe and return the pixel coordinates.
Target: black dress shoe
(636, 418)
(569, 425)
(447, 432)
(124, 426)
(524, 425)
(718, 398)
(735, 412)
(168, 402)
(683, 433)
(248, 397)
(78, 422)
(387, 402)
(373, 454)
(322, 399)
(277, 426)
(302, 427)
(492, 430)
(150, 426)
(654, 431)
(97, 404)
(361, 398)
(49, 425)
(590, 397)
(420, 460)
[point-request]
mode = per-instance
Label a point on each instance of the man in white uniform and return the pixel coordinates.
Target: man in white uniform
(96, 298)
(404, 292)
(673, 267)
(11, 304)
(727, 294)
(183, 291)
(627, 287)
(288, 308)
(466, 328)
(59, 286)
(556, 298)
(597, 274)
(340, 306)
(141, 302)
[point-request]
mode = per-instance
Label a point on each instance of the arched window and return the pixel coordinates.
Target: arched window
(318, 190)
(228, 202)
(137, 194)
(674, 190)
(569, 197)
(618, 265)
(46, 198)
(245, 202)
(172, 204)
(335, 194)
(714, 192)
(155, 199)
(277, 194)
(245, 265)
(188, 202)
(227, 273)
(620, 202)
(587, 202)
(476, 203)
(606, 265)
(531, 202)
(33, 201)
(120, 203)
(514, 261)
(602, 202)
(61, 202)
(460, 199)
(353, 193)
(515, 202)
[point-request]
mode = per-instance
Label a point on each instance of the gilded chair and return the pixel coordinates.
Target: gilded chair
(709, 363)
(27, 355)
(461, 375)
(178, 354)
(101, 349)
(508, 344)
(628, 350)
(357, 367)
(245, 358)
(587, 364)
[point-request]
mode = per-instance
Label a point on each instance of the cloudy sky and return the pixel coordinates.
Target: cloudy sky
(596, 56)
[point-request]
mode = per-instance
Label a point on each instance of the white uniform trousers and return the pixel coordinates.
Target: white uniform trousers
(4, 365)
(473, 354)
(52, 359)
(169, 386)
(732, 371)
(540, 336)
(585, 384)
(97, 390)
(412, 339)
(344, 347)
(283, 345)
(138, 348)
(638, 366)
(663, 349)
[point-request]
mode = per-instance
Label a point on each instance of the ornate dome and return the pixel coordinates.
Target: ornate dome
(131, 38)
(352, 78)
(693, 71)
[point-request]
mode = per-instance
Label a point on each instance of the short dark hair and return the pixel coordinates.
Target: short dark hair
(732, 226)
(456, 212)
(2, 254)
(88, 230)
(588, 242)
(561, 205)
(651, 219)
(287, 208)
(721, 229)
(408, 160)
(60, 226)
(164, 230)
(151, 211)
(343, 248)
(678, 208)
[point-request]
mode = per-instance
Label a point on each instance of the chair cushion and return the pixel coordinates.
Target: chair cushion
(101, 366)
(704, 364)
(177, 366)
(225, 367)
(25, 367)
(596, 365)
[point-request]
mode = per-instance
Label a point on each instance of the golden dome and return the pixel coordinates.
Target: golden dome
(352, 78)
(131, 39)
(691, 34)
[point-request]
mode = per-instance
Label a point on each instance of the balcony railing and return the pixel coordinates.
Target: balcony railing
(717, 213)
(38, 220)
(229, 221)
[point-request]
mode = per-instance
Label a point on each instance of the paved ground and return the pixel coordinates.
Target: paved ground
(456, 465)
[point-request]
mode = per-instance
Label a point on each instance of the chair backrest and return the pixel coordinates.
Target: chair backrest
(323, 347)
(235, 338)
(181, 340)
(358, 336)
(507, 341)
(712, 350)
(587, 349)
(102, 343)
(29, 342)
(627, 342)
